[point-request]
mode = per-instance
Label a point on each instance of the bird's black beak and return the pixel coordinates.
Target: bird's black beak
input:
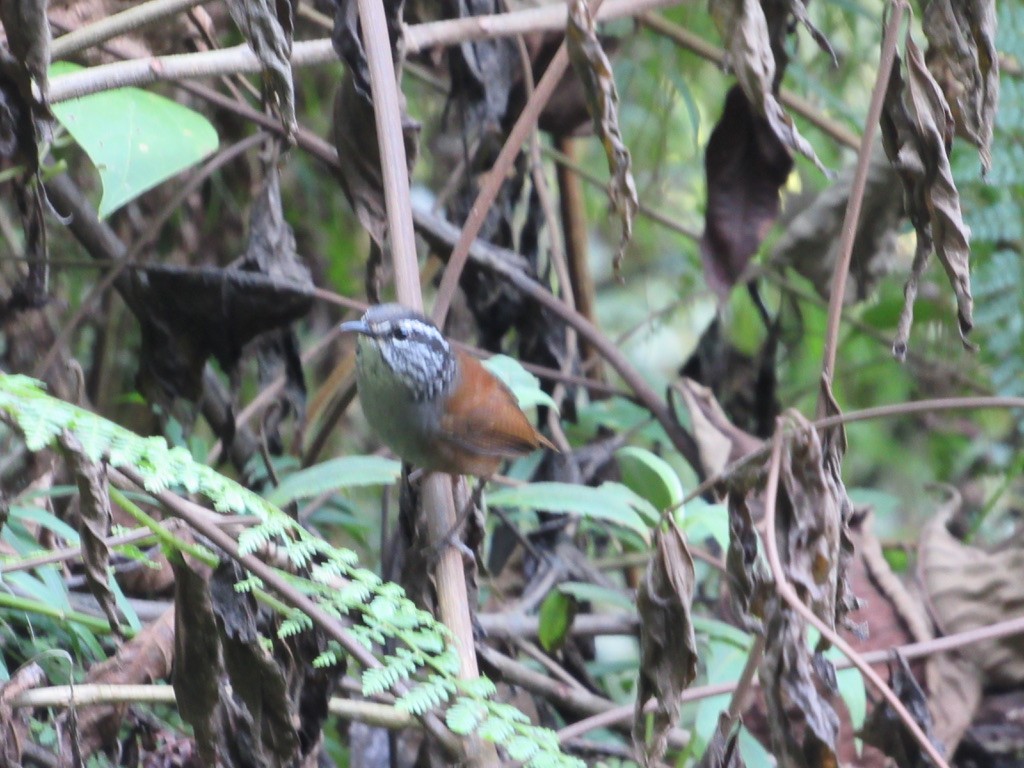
(355, 326)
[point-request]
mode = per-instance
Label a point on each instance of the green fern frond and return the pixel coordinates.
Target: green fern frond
(384, 613)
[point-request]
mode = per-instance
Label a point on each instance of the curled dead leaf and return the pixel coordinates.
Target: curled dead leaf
(797, 686)
(595, 72)
(754, 45)
(917, 131)
(267, 26)
(963, 59)
(28, 37)
(969, 588)
(93, 526)
(668, 648)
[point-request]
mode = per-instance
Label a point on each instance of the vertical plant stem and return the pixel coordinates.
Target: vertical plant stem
(388, 118)
(437, 497)
(849, 230)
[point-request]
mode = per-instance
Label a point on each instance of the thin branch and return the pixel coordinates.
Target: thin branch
(852, 219)
(241, 59)
(789, 595)
(119, 24)
(546, 18)
(92, 694)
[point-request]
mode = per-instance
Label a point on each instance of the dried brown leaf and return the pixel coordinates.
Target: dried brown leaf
(809, 521)
(28, 36)
(963, 59)
(886, 730)
(595, 72)
(271, 251)
(745, 165)
(810, 241)
(969, 588)
(749, 580)
(723, 750)
(355, 138)
(14, 725)
(267, 26)
(188, 314)
(668, 649)
(802, 722)
(93, 525)
(719, 441)
(917, 131)
(750, 52)
(143, 660)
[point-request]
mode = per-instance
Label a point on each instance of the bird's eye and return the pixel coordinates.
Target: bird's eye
(399, 333)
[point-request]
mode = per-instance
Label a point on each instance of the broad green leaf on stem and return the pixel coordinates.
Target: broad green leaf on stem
(524, 385)
(649, 476)
(343, 472)
(136, 139)
(611, 502)
(555, 618)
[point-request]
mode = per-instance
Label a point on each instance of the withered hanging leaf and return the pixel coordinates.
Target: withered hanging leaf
(917, 130)
(271, 251)
(833, 449)
(963, 59)
(668, 649)
(143, 660)
(28, 36)
(723, 750)
(348, 43)
(749, 580)
(745, 165)
(256, 702)
(198, 662)
(810, 242)
(808, 521)
(267, 26)
(595, 72)
(18, 147)
(93, 525)
(188, 314)
(482, 73)
(749, 52)
(885, 729)
(969, 588)
(355, 138)
(801, 720)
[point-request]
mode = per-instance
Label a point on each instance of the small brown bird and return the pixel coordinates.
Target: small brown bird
(434, 405)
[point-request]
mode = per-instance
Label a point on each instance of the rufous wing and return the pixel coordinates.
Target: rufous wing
(483, 416)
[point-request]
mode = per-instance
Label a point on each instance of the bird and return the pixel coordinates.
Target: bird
(431, 403)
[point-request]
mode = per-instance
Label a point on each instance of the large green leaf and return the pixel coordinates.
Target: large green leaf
(343, 472)
(610, 502)
(524, 385)
(650, 476)
(136, 139)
